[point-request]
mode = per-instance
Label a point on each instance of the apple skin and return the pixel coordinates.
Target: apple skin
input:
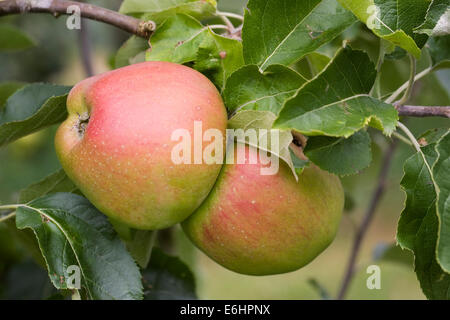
(116, 142)
(262, 225)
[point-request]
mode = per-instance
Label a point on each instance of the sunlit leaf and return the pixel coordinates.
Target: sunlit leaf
(336, 103)
(393, 20)
(249, 89)
(159, 10)
(129, 52)
(218, 57)
(274, 141)
(437, 21)
(282, 31)
(172, 40)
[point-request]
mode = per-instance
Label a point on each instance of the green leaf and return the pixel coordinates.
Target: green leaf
(27, 281)
(131, 52)
(420, 196)
(340, 119)
(418, 226)
(299, 164)
(393, 20)
(336, 103)
(396, 53)
(13, 39)
(176, 40)
(432, 136)
(441, 174)
(390, 252)
(140, 246)
(249, 120)
(437, 19)
(318, 62)
(160, 10)
(7, 89)
(249, 89)
(218, 57)
(282, 31)
(54, 183)
(183, 39)
(434, 281)
(32, 108)
(168, 278)
(312, 64)
(439, 49)
(341, 156)
(252, 119)
(27, 240)
(71, 232)
(139, 242)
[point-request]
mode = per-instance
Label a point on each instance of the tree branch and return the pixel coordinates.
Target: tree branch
(362, 230)
(129, 24)
(144, 29)
(420, 111)
(85, 49)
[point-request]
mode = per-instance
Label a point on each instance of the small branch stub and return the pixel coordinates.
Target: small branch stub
(146, 28)
(82, 123)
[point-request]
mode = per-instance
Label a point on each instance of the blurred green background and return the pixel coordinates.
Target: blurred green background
(56, 59)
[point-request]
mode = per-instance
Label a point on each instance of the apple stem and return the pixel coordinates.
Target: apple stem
(83, 121)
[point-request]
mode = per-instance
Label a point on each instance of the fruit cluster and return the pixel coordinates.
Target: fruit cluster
(116, 145)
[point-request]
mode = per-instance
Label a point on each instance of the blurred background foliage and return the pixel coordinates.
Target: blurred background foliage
(56, 59)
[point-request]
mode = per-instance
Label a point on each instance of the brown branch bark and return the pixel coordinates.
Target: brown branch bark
(59, 7)
(420, 111)
(368, 218)
(85, 49)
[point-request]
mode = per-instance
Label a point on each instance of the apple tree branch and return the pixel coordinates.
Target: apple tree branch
(129, 24)
(368, 218)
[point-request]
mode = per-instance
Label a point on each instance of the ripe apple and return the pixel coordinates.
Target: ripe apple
(116, 143)
(267, 224)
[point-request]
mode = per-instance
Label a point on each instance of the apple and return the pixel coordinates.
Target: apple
(116, 143)
(267, 224)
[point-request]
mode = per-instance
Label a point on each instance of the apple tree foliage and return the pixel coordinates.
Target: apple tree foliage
(260, 70)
